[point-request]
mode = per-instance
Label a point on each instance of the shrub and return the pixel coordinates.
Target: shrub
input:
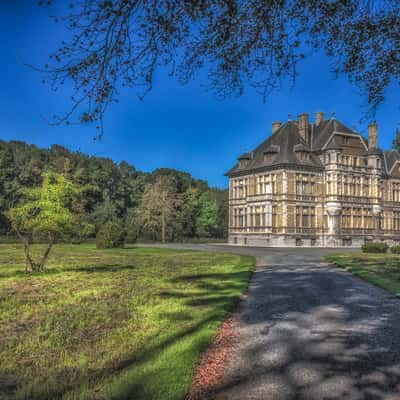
(132, 234)
(395, 249)
(375, 247)
(110, 235)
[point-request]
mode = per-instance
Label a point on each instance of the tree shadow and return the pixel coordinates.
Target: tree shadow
(314, 333)
(89, 268)
(215, 297)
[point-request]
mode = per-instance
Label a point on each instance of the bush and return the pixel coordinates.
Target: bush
(132, 234)
(374, 247)
(395, 249)
(110, 235)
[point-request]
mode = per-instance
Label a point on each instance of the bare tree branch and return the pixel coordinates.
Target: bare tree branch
(254, 43)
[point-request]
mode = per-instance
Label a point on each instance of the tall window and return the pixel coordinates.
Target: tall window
(396, 221)
(305, 217)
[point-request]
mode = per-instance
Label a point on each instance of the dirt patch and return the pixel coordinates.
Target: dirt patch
(209, 371)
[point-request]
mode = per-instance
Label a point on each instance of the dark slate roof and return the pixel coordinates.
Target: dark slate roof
(301, 147)
(281, 145)
(333, 145)
(391, 156)
(320, 134)
(245, 156)
(272, 148)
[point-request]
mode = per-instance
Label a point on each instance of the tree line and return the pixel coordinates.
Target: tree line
(163, 205)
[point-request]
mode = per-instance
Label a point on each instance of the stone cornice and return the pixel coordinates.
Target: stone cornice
(287, 167)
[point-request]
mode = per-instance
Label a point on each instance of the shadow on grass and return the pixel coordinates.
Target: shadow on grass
(95, 268)
(214, 294)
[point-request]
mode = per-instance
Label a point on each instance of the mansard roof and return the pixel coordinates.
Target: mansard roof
(282, 148)
(321, 134)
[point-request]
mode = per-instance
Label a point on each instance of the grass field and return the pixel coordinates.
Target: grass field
(380, 269)
(111, 324)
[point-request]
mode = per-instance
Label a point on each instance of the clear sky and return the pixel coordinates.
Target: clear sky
(182, 127)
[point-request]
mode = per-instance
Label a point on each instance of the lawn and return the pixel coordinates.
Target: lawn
(380, 269)
(111, 324)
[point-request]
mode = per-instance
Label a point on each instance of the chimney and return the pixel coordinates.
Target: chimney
(275, 126)
(319, 117)
(372, 136)
(303, 126)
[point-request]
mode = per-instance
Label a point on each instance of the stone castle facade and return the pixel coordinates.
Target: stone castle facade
(315, 184)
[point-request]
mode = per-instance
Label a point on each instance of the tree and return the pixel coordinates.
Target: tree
(158, 208)
(207, 221)
(189, 212)
(221, 199)
(121, 43)
(110, 235)
(45, 214)
(108, 191)
(104, 212)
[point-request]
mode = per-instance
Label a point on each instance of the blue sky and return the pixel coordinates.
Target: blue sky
(183, 127)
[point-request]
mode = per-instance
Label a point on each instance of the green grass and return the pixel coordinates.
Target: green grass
(111, 324)
(380, 269)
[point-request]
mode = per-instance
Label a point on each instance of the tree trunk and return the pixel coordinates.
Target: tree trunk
(29, 265)
(163, 226)
(45, 256)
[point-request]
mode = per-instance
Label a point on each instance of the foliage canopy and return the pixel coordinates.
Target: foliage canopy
(46, 214)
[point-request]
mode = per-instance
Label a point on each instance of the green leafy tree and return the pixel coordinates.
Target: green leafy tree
(109, 191)
(104, 212)
(111, 235)
(221, 199)
(207, 221)
(158, 208)
(45, 214)
(132, 228)
(189, 212)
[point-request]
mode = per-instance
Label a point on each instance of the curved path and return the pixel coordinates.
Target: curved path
(311, 331)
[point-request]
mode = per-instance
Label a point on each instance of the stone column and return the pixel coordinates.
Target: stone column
(268, 216)
(333, 210)
(376, 211)
(284, 200)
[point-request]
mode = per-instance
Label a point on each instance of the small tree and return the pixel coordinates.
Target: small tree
(158, 208)
(207, 221)
(45, 214)
(111, 235)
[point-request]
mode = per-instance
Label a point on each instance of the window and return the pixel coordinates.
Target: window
(345, 140)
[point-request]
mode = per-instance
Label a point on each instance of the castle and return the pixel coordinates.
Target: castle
(315, 184)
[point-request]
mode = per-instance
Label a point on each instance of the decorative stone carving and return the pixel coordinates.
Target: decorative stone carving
(376, 209)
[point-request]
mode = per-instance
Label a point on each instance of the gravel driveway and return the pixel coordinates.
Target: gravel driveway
(311, 331)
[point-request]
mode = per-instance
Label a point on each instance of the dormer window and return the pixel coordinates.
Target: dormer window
(303, 156)
(244, 159)
(302, 152)
(270, 152)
